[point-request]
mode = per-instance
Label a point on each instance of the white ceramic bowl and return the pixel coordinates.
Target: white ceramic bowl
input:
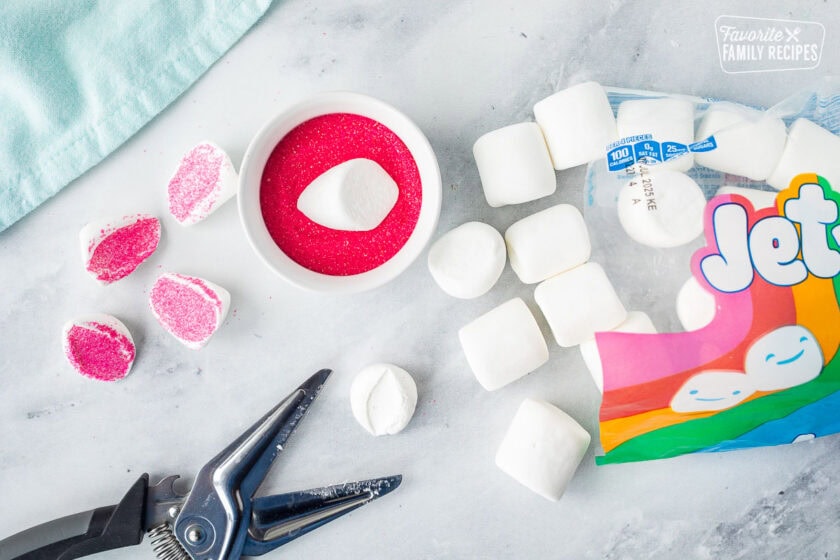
(260, 148)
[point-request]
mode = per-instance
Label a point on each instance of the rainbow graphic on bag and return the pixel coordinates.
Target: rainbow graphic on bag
(766, 370)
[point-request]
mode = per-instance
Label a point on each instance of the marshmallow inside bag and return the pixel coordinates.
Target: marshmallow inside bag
(113, 249)
(468, 260)
(663, 209)
(577, 123)
(190, 308)
(355, 195)
(514, 165)
(749, 142)
(636, 322)
(696, 307)
(99, 346)
(205, 179)
(809, 149)
(383, 398)
(503, 345)
(667, 119)
(542, 448)
(711, 391)
(759, 199)
(548, 243)
(579, 303)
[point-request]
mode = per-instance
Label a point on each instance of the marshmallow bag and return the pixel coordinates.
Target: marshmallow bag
(765, 370)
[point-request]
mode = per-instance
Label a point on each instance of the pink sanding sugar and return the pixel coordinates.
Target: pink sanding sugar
(116, 252)
(306, 152)
(98, 351)
(201, 183)
(190, 308)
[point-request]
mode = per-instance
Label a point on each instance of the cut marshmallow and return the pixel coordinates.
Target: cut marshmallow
(383, 398)
(205, 180)
(514, 165)
(191, 309)
(579, 303)
(352, 196)
(749, 142)
(542, 448)
(668, 120)
(113, 249)
(663, 209)
(695, 306)
(710, 391)
(99, 346)
(503, 345)
(468, 260)
(759, 199)
(578, 123)
(809, 149)
(548, 243)
(636, 322)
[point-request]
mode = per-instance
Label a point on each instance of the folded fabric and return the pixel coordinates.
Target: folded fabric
(77, 79)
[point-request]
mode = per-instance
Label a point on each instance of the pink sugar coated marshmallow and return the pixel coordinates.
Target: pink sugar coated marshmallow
(191, 309)
(113, 249)
(205, 180)
(99, 346)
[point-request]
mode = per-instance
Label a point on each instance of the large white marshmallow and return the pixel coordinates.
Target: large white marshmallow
(355, 195)
(542, 448)
(514, 165)
(579, 303)
(695, 306)
(667, 119)
(711, 391)
(468, 260)
(383, 398)
(809, 149)
(759, 199)
(503, 345)
(663, 209)
(636, 322)
(578, 124)
(783, 358)
(749, 142)
(548, 243)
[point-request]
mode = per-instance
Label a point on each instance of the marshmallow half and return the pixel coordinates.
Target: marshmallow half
(99, 346)
(205, 179)
(383, 398)
(113, 249)
(190, 308)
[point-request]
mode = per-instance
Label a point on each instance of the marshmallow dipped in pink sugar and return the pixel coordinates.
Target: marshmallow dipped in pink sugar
(112, 249)
(205, 180)
(191, 309)
(99, 346)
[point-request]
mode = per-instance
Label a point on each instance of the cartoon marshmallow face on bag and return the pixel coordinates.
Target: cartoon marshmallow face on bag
(712, 390)
(783, 358)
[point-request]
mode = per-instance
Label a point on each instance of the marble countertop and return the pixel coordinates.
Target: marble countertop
(458, 69)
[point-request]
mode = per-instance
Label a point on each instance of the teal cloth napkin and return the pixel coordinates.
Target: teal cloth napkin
(79, 77)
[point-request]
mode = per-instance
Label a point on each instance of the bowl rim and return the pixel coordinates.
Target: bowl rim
(264, 142)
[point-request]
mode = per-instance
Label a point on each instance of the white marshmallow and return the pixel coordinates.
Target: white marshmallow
(579, 303)
(636, 322)
(695, 306)
(383, 398)
(514, 165)
(468, 260)
(663, 209)
(204, 181)
(542, 448)
(809, 149)
(355, 195)
(578, 123)
(503, 345)
(712, 390)
(759, 199)
(749, 142)
(667, 119)
(548, 243)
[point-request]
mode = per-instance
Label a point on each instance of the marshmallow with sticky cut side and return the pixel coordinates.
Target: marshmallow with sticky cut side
(578, 124)
(503, 345)
(113, 249)
(758, 199)
(696, 307)
(191, 309)
(809, 149)
(547, 243)
(99, 346)
(514, 165)
(468, 260)
(355, 195)
(542, 448)
(749, 142)
(383, 398)
(666, 119)
(636, 322)
(579, 303)
(205, 179)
